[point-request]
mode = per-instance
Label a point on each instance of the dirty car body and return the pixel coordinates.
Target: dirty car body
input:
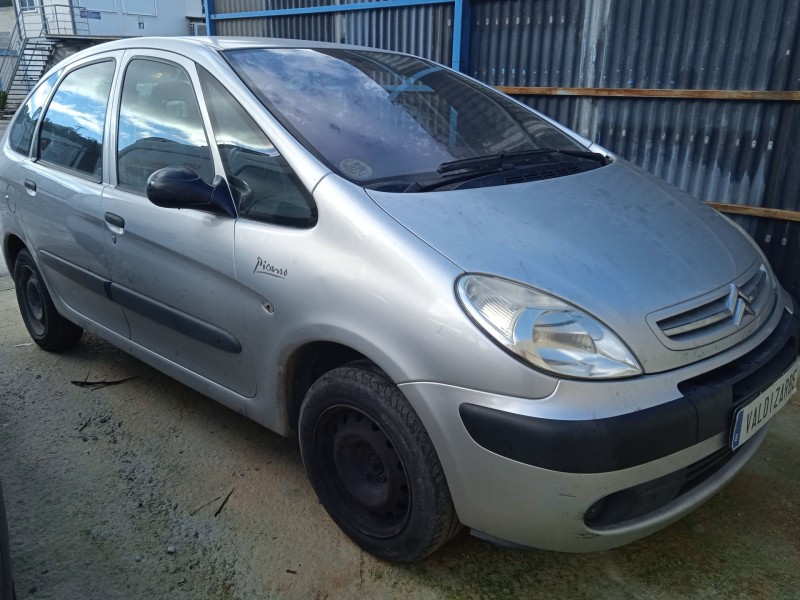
(567, 352)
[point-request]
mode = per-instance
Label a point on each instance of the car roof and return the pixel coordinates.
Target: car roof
(192, 45)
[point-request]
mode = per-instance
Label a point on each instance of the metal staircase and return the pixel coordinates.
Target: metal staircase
(31, 61)
(25, 58)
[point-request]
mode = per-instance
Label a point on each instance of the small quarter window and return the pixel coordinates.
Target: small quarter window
(71, 135)
(159, 125)
(21, 134)
(265, 187)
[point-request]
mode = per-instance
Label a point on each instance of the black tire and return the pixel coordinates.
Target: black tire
(373, 465)
(47, 328)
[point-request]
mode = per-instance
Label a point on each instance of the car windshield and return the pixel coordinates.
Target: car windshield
(376, 117)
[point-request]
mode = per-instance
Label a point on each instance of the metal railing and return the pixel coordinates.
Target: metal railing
(42, 19)
(9, 57)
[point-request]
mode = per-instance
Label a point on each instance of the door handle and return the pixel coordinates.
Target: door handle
(115, 220)
(30, 186)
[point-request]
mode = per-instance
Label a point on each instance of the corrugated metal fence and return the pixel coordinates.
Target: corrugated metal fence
(721, 149)
(425, 30)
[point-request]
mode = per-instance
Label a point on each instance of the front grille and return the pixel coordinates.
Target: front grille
(716, 396)
(698, 472)
(730, 310)
(642, 499)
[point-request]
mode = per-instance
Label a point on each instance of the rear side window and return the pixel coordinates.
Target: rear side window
(21, 134)
(265, 187)
(71, 136)
(159, 125)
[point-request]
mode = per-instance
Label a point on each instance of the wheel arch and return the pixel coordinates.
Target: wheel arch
(12, 246)
(308, 363)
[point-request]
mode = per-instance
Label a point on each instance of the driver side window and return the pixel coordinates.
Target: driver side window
(159, 125)
(265, 187)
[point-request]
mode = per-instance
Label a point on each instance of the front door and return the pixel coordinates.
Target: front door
(172, 270)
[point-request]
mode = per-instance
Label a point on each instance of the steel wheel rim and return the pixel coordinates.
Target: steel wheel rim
(360, 466)
(34, 303)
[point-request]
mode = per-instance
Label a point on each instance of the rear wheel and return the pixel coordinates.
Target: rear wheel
(373, 465)
(47, 328)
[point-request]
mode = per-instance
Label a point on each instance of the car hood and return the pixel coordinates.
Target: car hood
(614, 241)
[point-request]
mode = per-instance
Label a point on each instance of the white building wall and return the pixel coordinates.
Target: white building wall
(8, 19)
(113, 18)
(128, 18)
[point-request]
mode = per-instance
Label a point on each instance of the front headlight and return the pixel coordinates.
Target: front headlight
(545, 331)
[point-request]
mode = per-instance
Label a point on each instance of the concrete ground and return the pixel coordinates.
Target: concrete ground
(120, 492)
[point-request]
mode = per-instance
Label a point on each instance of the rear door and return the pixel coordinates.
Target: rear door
(173, 270)
(62, 185)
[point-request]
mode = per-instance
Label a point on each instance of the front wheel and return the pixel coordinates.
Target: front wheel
(373, 465)
(47, 328)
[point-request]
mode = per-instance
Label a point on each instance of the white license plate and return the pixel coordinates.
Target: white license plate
(757, 413)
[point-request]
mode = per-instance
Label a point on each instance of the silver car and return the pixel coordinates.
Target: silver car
(468, 314)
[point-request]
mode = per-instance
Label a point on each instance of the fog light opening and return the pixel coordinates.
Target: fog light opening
(594, 511)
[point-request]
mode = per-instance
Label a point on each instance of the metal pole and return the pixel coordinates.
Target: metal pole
(462, 24)
(211, 27)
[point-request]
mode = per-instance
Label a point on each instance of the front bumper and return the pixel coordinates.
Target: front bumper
(521, 472)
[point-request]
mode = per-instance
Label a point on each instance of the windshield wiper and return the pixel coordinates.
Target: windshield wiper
(427, 186)
(514, 158)
(483, 166)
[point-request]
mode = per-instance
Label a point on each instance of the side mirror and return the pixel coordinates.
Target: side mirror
(182, 187)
